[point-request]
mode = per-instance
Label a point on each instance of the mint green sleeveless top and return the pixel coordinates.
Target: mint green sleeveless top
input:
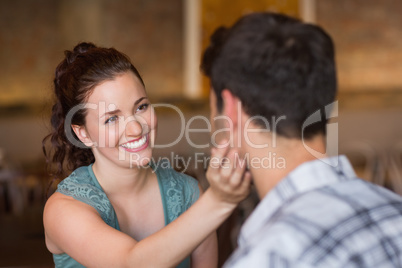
(178, 192)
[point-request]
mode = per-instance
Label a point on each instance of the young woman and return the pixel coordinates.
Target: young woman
(116, 209)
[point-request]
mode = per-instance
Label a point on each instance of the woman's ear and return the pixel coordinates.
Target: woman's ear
(82, 134)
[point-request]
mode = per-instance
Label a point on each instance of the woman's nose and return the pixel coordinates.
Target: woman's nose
(134, 127)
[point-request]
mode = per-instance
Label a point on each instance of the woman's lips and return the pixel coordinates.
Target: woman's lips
(136, 145)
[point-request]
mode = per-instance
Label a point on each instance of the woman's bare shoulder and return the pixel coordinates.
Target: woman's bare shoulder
(59, 203)
(63, 215)
(76, 228)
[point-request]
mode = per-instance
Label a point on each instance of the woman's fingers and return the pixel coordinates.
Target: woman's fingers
(217, 156)
(227, 166)
(245, 183)
(227, 175)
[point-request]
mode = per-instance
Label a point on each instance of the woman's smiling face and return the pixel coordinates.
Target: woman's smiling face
(120, 122)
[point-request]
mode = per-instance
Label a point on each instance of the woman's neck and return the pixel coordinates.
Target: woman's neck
(120, 181)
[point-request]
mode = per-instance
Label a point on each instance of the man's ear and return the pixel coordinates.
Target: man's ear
(231, 106)
(82, 134)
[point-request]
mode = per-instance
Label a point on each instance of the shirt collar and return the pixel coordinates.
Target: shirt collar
(306, 177)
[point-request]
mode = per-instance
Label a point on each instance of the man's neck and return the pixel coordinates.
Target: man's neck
(269, 166)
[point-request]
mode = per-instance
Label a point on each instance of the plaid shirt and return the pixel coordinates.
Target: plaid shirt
(323, 216)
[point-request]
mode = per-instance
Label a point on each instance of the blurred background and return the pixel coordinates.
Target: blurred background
(164, 39)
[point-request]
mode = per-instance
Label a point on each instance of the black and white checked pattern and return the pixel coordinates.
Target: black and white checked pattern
(323, 216)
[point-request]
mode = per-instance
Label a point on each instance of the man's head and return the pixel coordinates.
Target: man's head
(275, 66)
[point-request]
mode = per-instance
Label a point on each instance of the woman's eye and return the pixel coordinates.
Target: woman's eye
(111, 119)
(143, 107)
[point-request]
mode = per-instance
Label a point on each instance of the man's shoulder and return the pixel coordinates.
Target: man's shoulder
(345, 197)
(349, 204)
(318, 226)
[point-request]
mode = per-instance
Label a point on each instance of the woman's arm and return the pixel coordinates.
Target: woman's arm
(77, 229)
(206, 254)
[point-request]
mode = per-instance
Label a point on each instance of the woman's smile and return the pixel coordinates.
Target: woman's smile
(137, 144)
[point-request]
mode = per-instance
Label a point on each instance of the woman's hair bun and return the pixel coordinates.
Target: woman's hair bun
(79, 49)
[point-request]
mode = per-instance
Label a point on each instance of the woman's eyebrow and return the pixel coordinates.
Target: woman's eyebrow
(118, 110)
(111, 112)
(139, 100)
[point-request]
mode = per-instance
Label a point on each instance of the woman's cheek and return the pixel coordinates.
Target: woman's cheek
(111, 136)
(153, 119)
(153, 130)
(154, 122)
(116, 136)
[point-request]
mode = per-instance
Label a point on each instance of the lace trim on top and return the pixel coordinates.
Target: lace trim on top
(81, 186)
(178, 190)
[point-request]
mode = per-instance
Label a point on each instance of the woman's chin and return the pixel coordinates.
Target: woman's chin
(139, 159)
(142, 163)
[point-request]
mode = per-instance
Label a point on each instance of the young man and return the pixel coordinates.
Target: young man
(273, 82)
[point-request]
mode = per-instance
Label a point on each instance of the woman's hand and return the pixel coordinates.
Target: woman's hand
(229, 181)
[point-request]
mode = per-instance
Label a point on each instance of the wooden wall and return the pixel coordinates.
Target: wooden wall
(34, 35)
(226, 12)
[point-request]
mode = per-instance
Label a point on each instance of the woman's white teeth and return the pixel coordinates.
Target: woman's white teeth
(135, 144)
